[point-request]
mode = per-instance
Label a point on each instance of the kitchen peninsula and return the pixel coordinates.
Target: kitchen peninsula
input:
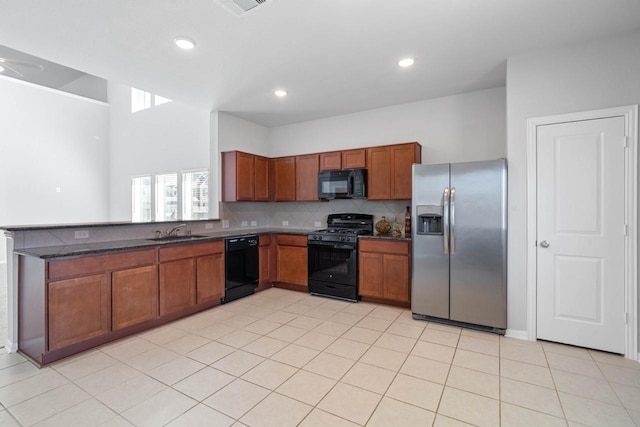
(74, 297)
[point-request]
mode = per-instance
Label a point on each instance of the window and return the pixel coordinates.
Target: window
(141, 198)
(141, 100)
(167, 197)
(170, 196)
(195, 191)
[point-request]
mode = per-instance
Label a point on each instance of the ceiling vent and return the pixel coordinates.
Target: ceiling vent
(240, 7)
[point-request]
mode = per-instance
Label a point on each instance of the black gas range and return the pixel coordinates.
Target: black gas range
(333, 255)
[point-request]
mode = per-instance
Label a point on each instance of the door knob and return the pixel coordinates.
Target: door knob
(545, 243)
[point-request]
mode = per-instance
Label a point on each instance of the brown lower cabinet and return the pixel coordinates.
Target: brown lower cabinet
(291, 260)
(68, 305)
(210, 277)
(79, 309)
(177, 285)
(190, 274)
(384, 270)
(267, 259)
(134, 296)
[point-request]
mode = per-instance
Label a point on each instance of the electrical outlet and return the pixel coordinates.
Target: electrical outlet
(317, 224)
(208, 226)
(82, 234)
(285, 223)
(244, 223)
(225, 223)
(254, 223)
(58, 189)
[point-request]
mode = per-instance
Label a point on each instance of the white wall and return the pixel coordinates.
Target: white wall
(51, 139)
(167, 138)
(88, 86)
(470, 126)
(239, 134)
(582, 77)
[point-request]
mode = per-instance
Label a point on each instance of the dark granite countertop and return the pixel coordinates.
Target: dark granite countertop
(96, 224)
(385, 237)
(50, 252)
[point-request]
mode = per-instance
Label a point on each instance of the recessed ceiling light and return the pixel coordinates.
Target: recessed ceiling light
(406, 62)
(280, 92)
(184, 43)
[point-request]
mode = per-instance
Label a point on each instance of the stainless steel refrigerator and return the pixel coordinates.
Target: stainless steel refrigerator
(459, 241)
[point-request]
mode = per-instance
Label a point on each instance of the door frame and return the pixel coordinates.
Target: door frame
(630, 114)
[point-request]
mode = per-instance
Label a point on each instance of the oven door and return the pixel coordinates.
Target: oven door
(333, 263)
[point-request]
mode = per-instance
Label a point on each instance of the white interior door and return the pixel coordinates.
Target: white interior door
(580, 233)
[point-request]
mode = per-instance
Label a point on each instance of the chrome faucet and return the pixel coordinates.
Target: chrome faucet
(175, 229)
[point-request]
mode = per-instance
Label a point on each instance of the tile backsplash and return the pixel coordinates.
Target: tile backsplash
(240, 215)
(306, 214)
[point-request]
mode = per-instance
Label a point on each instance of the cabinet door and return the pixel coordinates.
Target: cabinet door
(261, 170)
(402, 157)
(177, 285)
(245, 173)
(354, 159)
(284, 177)
(134, 294)
(210, 277)
(265, 256)
(79, 309)
(331, 161)
(396, 277)
(379, 173)
(292, 265)
(307, 177)
(371, 274)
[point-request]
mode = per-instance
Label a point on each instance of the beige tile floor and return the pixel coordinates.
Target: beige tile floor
(281, 358)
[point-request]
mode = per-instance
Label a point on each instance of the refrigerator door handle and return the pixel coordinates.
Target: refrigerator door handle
(445, 226)
(453, 221)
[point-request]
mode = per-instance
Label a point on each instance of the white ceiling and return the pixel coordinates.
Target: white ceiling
(333, 56)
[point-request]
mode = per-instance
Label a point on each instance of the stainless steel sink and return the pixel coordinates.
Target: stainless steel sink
(176, 238)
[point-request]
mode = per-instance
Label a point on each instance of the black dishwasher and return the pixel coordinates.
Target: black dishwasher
(241, 267)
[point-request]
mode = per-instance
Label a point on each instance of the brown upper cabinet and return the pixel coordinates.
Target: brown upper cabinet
(389, 170)
(284, 179)
(354, 159)
(245, 177)
(331, 161)
(261, 169)
(307, 168)
(349, 159)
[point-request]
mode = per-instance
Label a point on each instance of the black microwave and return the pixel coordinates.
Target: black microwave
(342, 184)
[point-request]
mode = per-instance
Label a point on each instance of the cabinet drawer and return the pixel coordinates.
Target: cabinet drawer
(291, 240)
(189, 251)
(100, 263)
(384, 246)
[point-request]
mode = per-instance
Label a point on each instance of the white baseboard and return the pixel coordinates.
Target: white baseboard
(11, 347)
(517, 334)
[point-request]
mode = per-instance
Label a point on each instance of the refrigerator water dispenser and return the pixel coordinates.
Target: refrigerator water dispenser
(429, 219)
